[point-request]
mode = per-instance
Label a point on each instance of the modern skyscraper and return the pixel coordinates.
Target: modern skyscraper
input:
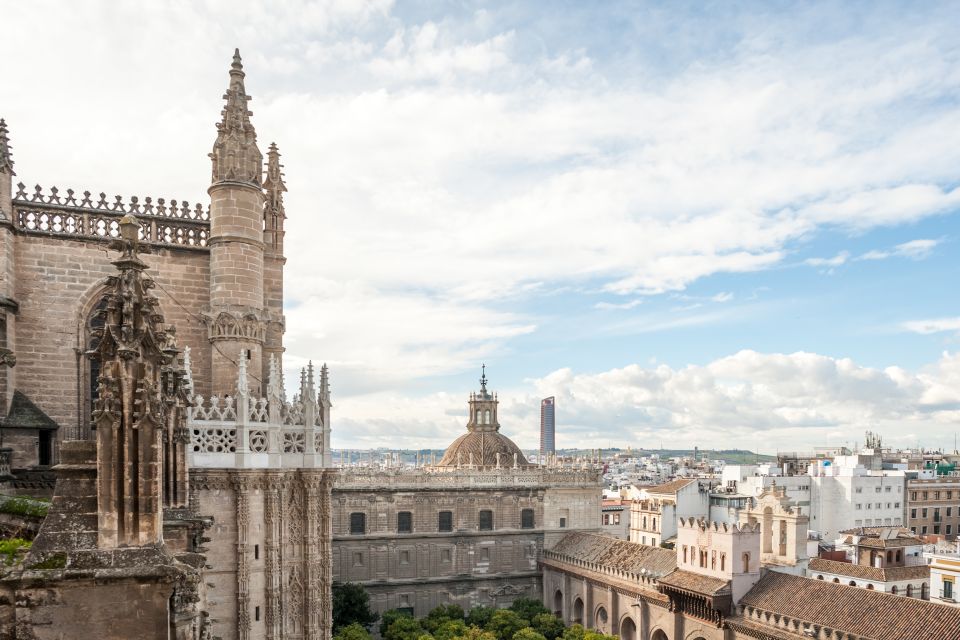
(547, 427)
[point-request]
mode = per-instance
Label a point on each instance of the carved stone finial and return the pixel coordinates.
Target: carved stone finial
(275, 379)
(187, 371)
(235, 155)
(6, 158)
(274, 184)
(243, 385)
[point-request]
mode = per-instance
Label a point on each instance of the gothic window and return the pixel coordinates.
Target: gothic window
(723, 561)
(485, 520)
(404, 522)
(526, 519)
(95, 321)
(358, 523)
(445, 521)
(746, 562)
(486, 416)
(684, 554)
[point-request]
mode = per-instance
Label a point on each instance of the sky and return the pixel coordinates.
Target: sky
(713, 224)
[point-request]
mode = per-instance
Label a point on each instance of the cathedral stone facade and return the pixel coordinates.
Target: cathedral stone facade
(192, 497)
(468, 530)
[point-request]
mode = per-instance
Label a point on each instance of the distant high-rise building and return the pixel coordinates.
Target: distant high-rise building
(547, 427)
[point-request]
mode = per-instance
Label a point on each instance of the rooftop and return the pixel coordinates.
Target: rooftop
(876, 574)
(672, 487)
(862, 612)
(616, 554)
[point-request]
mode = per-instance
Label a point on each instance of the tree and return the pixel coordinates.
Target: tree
(353, 631)
(479, 616)
(351, 604)
(548, 625)
(528, 634)
(596, 635)
(476, 633)
(405, 628)
(504, 623)
(527, 608)
(450, 629)
(389, 617)
(441, 614)
(574, 632)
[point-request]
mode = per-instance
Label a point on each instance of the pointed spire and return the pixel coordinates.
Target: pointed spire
(324, 382)
(275, 378)
(6, 158)
(236, 157)
(274, 183)
(483, 379)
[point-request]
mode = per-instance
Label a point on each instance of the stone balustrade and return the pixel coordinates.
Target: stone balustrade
(465, 477)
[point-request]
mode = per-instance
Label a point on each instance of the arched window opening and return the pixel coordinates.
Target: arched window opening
(746, 562)
(93, 325)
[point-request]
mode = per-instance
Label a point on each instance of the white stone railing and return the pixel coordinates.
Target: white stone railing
(244, 432)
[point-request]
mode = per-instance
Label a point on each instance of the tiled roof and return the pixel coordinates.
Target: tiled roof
(690, 581)
(875, 531)
(671, 488)
(880, 543)
(24, 414)
(862, 612)
(617, 554)
(886, 574)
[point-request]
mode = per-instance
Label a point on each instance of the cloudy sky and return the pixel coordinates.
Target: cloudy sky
(719, 224)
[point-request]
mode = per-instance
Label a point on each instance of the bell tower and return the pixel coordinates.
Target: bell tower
(483, 408)
(237, 320)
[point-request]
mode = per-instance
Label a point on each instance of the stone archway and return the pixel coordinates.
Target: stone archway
(600, 619)
(577, 611)
(628, 629)
(558, 603)
(659, 634)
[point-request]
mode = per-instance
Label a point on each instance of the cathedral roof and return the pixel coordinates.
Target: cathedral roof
(483, 445)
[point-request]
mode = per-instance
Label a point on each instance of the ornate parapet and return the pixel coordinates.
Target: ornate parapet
(433, 478)
(270, 432)
(90, 217)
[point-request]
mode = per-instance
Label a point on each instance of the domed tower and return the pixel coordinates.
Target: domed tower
(483, 445)
(237, 319)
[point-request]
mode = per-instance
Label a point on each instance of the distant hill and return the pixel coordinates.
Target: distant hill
(730, 456)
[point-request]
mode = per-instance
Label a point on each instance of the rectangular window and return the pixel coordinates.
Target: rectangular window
(949, 511)
(445, 555)
(526, 519)
(616, 518)
(887, 489)
(256, 614)
(606, 518)
(357, 558)
(949, 495)
(445, 521)
(949, 530)
(925, 495)
(923, 512)
(358, 523)
(936, 529)
(859, 507)
(563, 523)
(485, 520)
(859, 489)
(877, 490)
(913, 513)
(256, 552)
(404, 557)
(948, 588)
(936, 495)
(404, 522)
(923, 530)
(913, 495)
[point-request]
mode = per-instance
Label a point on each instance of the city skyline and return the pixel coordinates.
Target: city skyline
(687, 227)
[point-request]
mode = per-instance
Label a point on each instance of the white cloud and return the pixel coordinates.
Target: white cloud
(753, 400)
(836, 261)
(934, 325)
(914, 249)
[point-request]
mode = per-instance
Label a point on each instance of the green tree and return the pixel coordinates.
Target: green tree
(548, 625)
(405, 628)
(441, 614)
(353, 631)
(450, 629)
(596, 635)
(479, 616)
(389, 617)
(528, 634)
(504, 623)
(527, 608)
(476, 633)
(351, 604)
(574, 632)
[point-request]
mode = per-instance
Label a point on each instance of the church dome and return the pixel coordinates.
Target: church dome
(483, 445)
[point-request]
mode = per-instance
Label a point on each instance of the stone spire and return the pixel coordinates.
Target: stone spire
(235, 155)
(6, 174)
(274, 185)
(129, 411)
(6, 158)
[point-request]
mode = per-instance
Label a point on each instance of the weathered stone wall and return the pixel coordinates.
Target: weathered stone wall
(57, 284)
(271, 558)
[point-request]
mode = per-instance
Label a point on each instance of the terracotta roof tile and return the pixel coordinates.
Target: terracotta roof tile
(671, 488)
(887, 574)
(862, 612)
(616, 554)
(690, 581)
